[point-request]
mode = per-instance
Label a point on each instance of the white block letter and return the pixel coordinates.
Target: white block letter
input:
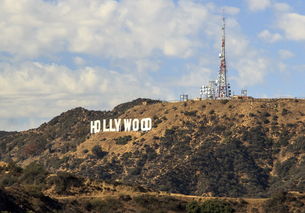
(135, 125)
(104, 126)
(111, 129)
(117, 123)
(127, 124)
(95, 126)
(146, 124)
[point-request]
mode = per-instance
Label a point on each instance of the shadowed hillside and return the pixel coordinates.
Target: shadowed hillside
(236, 148)
(34, 189)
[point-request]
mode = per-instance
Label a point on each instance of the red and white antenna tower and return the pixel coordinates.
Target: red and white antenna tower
(219, 89)
(223, 87)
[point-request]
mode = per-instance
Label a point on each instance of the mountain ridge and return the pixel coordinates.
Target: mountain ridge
(211, 147)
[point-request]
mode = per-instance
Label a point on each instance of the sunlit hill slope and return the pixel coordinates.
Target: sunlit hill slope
(236, 148)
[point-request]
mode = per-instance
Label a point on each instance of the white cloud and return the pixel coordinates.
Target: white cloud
(299, 68)
(293, 25)
(256, 5)
(231, 10)
(251, 66)
(36, 91)
(285, 54)
(267, 36)
(132, 36)
(281, 7)
(79, 61)
(109, 28)
(282, 67)
(246, 65)
(195, 78)
(251, 71)
(237, 44)
(146, 65)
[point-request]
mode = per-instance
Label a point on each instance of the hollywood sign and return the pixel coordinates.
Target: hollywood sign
(118, 125)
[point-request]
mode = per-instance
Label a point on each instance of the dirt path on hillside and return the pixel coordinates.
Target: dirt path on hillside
(254, 205)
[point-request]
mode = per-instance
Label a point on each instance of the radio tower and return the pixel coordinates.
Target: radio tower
(219, 89)
(223, 88)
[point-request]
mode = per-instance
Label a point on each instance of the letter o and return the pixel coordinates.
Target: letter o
(135, 125)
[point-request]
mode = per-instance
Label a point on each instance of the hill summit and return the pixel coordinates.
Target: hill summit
(237, 148)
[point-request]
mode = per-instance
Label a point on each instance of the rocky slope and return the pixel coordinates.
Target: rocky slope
(237, 148)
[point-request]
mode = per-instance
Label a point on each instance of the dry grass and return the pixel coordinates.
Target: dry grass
(175, 117)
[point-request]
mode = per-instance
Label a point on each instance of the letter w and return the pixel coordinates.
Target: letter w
(127, 124)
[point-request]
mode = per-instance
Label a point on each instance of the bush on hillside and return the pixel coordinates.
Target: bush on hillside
(212, 205)
(276, 204)
(224, 101)
(63, 181)
(298, 145)
(123, 140)
(34, 173)
(98, 152)
(107, 205)
(211, 112)
(9, 174)
(284, 112)
(190, 113)
(162, 204)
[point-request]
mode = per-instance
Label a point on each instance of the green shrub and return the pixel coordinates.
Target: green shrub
(193, 207)
(285, 112)
(224, 101)
(211, 112)
(7, 180)
(298, 146)
(34, 173)
(63, 181)
(209, 206)
(251, 114)
(134, 171)
(33, 190)
(98, 152)
(266, 121)
(284, 141)
(13, 169)
(216, 206)
(191, 113)
(277, 203)
(156, 122)
(107, 205)
(123, 140)
(160, 204)
(266, 114)
(282, 169)
(125, 197)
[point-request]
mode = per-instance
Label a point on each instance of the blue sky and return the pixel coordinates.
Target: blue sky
(57, 55)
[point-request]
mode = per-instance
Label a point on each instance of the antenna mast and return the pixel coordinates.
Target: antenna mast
(219, 89)
(223, 88)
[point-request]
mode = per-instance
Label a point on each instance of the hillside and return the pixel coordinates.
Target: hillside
(34, 189)
(236, 148)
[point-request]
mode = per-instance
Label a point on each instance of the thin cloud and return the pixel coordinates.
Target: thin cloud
(285, 54)
(257, 5)
(231, 10)
(267, 36)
